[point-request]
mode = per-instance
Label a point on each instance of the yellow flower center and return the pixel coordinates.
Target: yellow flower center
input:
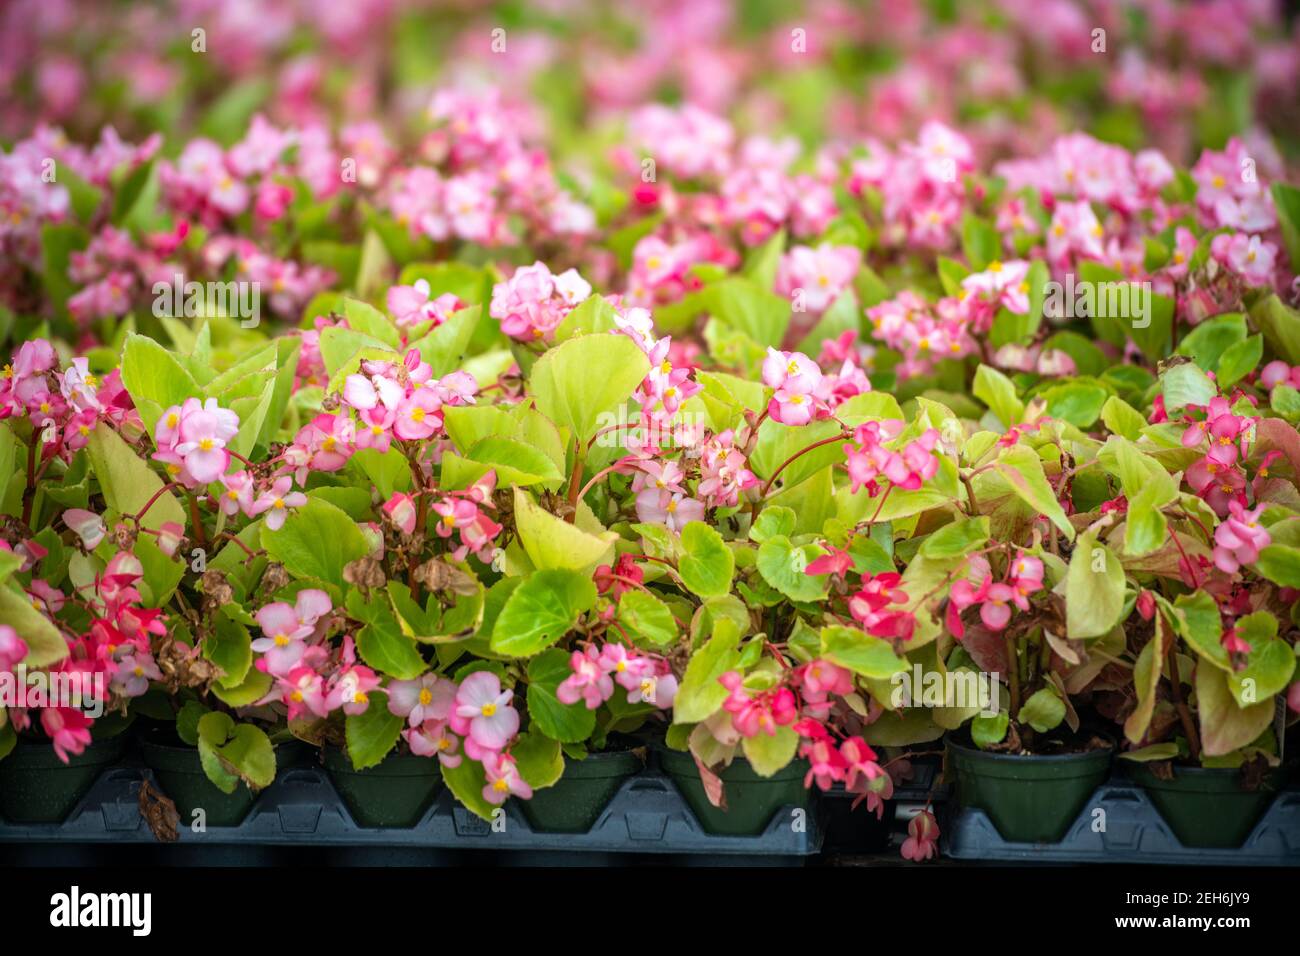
(489, 710)
(417, 414)
(426, 697)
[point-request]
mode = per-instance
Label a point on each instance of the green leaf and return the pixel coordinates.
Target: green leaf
(1240, 360)
(373, 733)
(746, 307)
(255, 685)
(1287, 200)
(999, 393)
(1196, 619)
(980, 242)
(541, 611)
(316, 541)
(1078, 403)
(706, 564)
(236, 751)
(1121, 418)
(1268, 667)
(1094, 590)
(987, 731)
(154, 378)
(539, 759)
(767, 754)
(466, 783)
(783, 565)
(1225, 726)
(647, 619)
(1280, 563)
(45, 645)
(772, 521)
(365, 318)
(383, 646)
(959, 538)
(1022, 469)
(861, 652)
(553, 543)
(1207, 342)
(700, 694)
(1043, 711)
(128, 483)
(1185, 385)
(444, 347)
(516, 463)
(1146, 680)
(593, 314)
(567, 723)
(229, 646)
(578, 381)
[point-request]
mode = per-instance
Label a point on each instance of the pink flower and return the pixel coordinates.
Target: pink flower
(922, 837)
(428, 697)
(400, 510)
(134, 671)
(350, 689)
(12, 648)
(238, 495)
(1239, 539)
(668, 508)
(589, 682)
(835, 561)
(286, 628)
(503, 779)
(88, 526)
(202, 437)
(1247, 256)
(761, 711)
(860, 760)
(434, 737)
(277, 501)
(410, 305)
(68, 729)
(484, 713)
(302, 689)
(418, 416)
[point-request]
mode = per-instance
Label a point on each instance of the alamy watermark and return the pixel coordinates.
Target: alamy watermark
(1103, 300)
(955, 688)
(239, 300)
(23, 689)
(623, 428)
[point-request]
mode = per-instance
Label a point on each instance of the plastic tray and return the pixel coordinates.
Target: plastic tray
(1135, 833)
(301, 808)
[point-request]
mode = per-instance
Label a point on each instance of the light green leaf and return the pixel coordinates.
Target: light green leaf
(541, 611)
(567, 723)
(647, 619)
(706, 564)
(700, 694)
(373, 733)
(861, 652)
(316, 541)
(1094, 595)
(578, 381)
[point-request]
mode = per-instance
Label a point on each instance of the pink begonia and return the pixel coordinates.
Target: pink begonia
(503, 780)
(757, 711)
(796, 379)
(277, 501)
(134, 672)
(1277, 373)
(349, 689)
(589, 682)
(673, 509)
(922, 838)
(13, 649)
(170, 536)
(411, 305)
(192, 437)
(1239, 538)
(434, 737)
(427, 697)
(400, 510)
(286, 628)
(533, 302)
(815, 277)
(484, 714)
(68, 729)
(238, 494)
(89, 527)
(1248, 256)
(303, 690)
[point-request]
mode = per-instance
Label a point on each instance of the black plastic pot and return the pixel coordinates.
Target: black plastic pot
(574, 803)
(37, 787)
(179, 772)
(1030, 799)
(751, 800)
(1207, 807)
(394, 793)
